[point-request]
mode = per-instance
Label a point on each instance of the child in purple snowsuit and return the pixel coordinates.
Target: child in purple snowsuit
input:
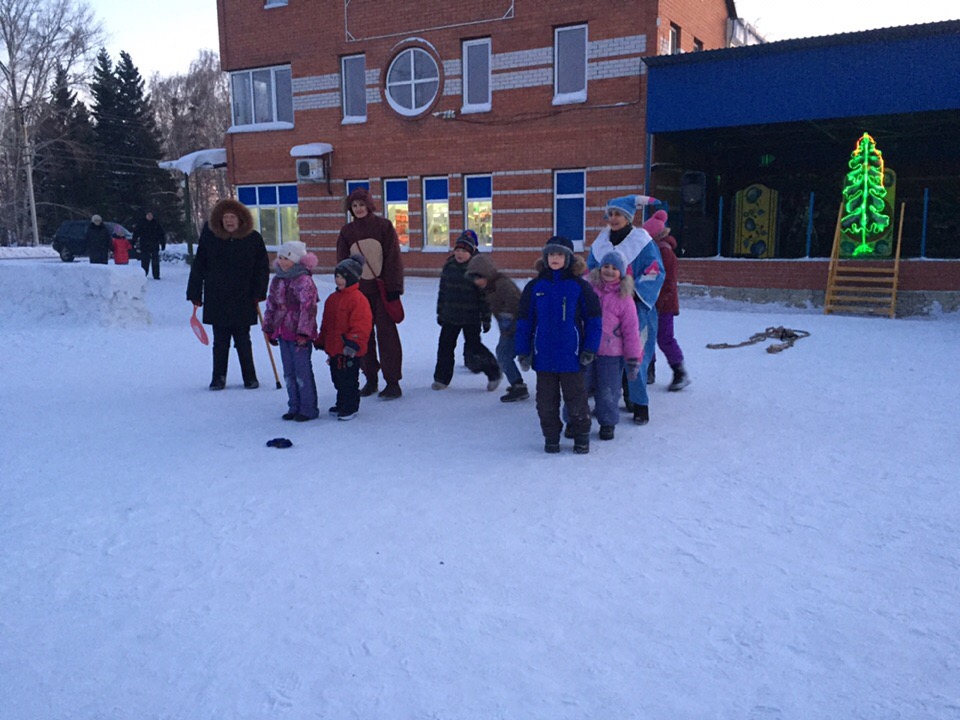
(291, 322)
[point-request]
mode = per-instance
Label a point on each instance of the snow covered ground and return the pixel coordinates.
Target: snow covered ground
(780, 542)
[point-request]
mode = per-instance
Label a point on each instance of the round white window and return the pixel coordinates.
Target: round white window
(413, 81)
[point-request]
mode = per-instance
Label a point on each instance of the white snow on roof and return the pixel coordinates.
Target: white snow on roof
(311, 149)
(216, 157)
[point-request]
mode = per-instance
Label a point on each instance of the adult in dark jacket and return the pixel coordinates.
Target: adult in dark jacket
(228, 279)
(376, 240)
(98, 241)
(151, 239)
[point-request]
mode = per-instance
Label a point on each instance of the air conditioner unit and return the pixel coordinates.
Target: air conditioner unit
(311, 170)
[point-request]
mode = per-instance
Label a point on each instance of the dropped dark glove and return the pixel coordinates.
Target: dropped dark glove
(524, 361)
(486, 325)
(586, 357)
(633, 369)
(393, 296)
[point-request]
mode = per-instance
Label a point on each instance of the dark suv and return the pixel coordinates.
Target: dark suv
(70, 242)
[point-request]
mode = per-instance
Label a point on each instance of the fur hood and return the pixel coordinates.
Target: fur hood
(228, 205)
(626, 283)
(578, 266)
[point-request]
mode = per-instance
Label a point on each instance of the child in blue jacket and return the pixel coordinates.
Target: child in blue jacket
(559, 327)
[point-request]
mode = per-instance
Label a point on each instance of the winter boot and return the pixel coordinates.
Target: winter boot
(437, 385)
(581, 444)
(515, 393)
(369, 388)
(651, 373)
(251, 385)
(391, 392)
(551, 445)
(219, 382)
(288, 416)
(680, 378)
(641, 414)
(494, 383)
(606, 432)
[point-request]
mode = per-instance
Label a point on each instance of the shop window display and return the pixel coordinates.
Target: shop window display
(436, 214)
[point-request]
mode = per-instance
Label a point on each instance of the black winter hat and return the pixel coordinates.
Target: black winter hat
(559, 244)
(351, 269)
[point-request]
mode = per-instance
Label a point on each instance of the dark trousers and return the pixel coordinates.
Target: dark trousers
(150, 257)
(345, 373)
(550, 386)
(443, 372)
(384, 351)
(222, 334)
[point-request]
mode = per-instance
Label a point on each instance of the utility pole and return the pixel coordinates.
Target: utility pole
(28, 151)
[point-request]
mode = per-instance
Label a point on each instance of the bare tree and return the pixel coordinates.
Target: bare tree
(36, 38)
(193, 113)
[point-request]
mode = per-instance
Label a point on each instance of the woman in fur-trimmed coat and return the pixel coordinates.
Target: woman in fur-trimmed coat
(228, 278)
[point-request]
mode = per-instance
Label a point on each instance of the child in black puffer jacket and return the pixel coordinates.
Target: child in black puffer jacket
(462, 307)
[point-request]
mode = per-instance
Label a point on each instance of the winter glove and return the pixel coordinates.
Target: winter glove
(486, 325)
(524, 361)
(633, 369)
(586, 357)
(350, 348)
(393, 296)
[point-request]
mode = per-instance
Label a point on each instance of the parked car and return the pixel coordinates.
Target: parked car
(69, 240)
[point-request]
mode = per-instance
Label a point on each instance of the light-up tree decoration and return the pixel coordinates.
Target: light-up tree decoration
(864, 219)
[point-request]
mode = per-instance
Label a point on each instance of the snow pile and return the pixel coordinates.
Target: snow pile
(77, 293)
(24, 252)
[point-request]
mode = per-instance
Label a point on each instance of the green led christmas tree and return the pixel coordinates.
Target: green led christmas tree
(864, 219)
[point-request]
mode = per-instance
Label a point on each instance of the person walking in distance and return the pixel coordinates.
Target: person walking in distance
(150, 237)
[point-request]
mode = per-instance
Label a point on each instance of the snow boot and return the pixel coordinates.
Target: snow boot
(641, 414)
(581, 444)
(680, 378)
(391, 392)
(651, 373)
(551, 445)
(288, 416)
(606, 432)
(251, 385)
(515, 393)
(437, 385)
(369, 388)
(494, 383)
(219, 382)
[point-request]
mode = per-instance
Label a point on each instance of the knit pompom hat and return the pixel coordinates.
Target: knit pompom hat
(294, 250)
(656, 223)
(559, 244)
(350, 269)
(626, 206)
(616, 259)
(468, 240)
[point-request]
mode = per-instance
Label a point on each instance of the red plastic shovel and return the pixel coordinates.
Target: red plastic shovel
(198, 328)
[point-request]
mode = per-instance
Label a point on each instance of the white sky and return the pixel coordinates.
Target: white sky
(166, 36)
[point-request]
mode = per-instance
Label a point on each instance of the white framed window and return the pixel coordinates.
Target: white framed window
(267, 4)
(413, 81)
(353, 85)
(261, 98)
(570, 65)
(674, 39)
(570, 205)
(274, 209)
(397, 202)
(476, 76)
(478, 208)
(436, 214)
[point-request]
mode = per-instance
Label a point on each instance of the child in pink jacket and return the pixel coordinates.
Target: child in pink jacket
(291, 322)
(620, 345)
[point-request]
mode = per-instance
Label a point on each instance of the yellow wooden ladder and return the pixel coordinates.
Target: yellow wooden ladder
(862, 287)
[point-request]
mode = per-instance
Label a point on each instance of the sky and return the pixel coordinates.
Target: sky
(164, 37)
(780, 542)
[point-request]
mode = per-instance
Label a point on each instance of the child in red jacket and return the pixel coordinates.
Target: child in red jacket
(344, 332)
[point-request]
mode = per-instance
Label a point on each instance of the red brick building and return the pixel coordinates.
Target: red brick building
(515, 118)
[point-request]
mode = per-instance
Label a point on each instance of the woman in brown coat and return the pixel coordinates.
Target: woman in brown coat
(374, 237)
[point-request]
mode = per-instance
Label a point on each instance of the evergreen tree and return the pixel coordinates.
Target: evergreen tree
(64, 177)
